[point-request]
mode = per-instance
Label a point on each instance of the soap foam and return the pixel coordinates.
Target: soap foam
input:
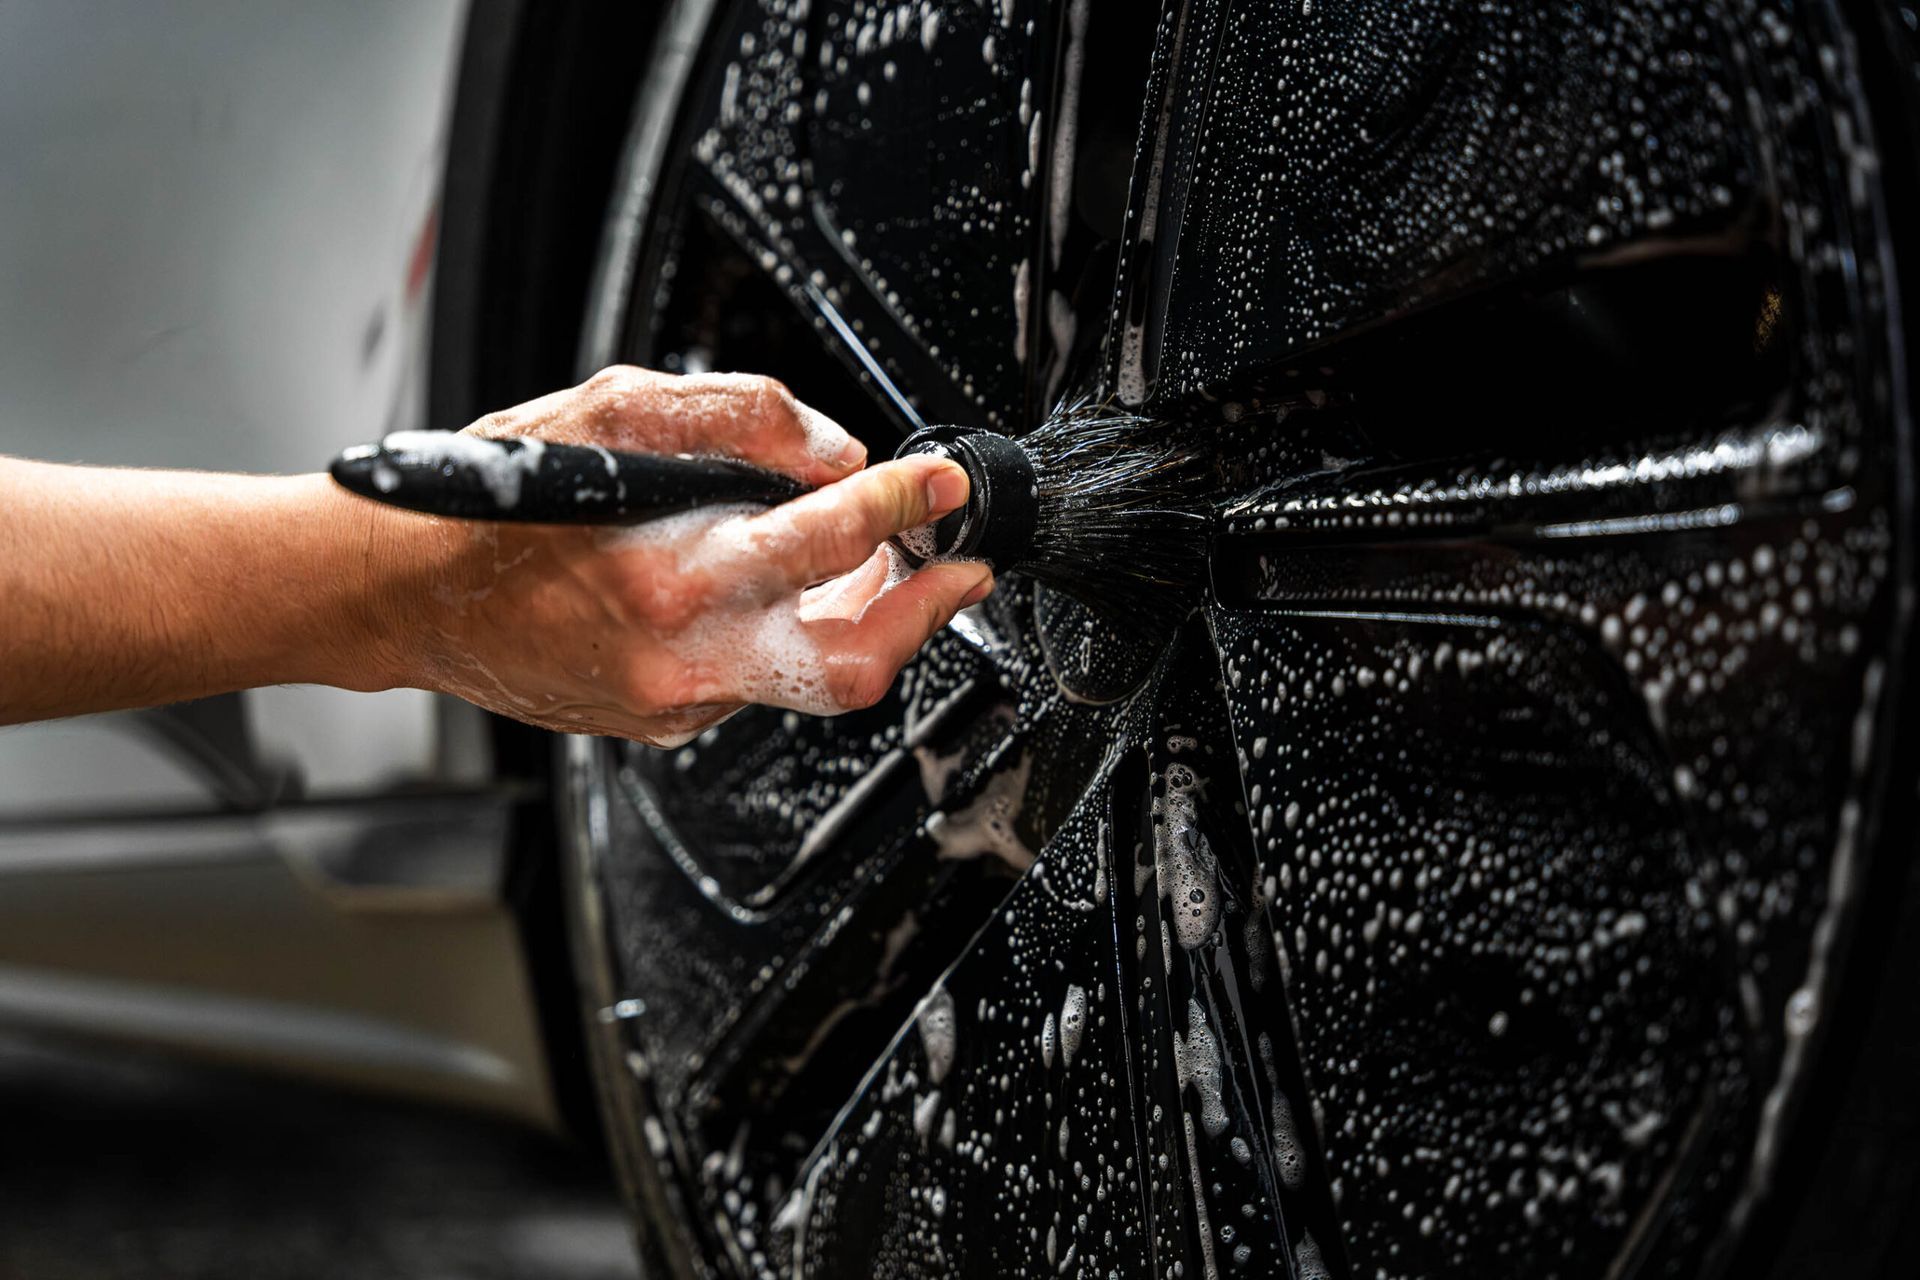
(825, 437)
(754, 621)
(499, 467)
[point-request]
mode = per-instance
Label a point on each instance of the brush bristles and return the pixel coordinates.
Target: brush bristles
(1123, 510)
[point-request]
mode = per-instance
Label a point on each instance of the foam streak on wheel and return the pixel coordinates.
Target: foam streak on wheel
(1472, 884)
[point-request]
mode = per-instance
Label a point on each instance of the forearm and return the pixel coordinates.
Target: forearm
(135, 588)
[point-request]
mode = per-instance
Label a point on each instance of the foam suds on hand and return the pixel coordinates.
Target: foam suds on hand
(753, 619)
(825, 437)
(898, 571)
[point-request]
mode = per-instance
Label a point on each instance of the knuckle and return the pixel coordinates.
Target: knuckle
(695, 682)
(901, 503)
(772, 403)
(846, 536)
(501, 422)
(661, 684)
(652, 684)
(770, 389)
(933, 614)
(711, 384)
(615, 379)
(667, 602)
(860, 681)
(677, 607)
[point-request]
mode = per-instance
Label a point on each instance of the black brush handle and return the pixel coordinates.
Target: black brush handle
(531, 481)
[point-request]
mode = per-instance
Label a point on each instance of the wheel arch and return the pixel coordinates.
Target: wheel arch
(541, 108)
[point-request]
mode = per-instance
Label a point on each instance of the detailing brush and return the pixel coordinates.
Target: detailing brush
(1106, 506)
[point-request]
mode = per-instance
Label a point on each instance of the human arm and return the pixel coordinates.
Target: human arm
(132, 588)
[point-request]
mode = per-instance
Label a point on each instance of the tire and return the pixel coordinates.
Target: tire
(1506, 868)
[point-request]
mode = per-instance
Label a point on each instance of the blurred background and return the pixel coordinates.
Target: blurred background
(279, 972)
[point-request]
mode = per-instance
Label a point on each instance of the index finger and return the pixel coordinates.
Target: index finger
(738, 415)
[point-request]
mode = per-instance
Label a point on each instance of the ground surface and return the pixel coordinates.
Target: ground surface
(115, 1166)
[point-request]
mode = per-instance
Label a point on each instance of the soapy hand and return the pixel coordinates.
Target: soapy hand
(657, 632)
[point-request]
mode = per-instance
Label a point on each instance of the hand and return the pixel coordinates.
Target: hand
(657, 632)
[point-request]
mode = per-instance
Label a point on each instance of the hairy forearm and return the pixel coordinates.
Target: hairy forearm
(135, 588)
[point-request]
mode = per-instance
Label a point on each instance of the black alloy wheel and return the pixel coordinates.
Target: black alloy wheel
(1497, 872)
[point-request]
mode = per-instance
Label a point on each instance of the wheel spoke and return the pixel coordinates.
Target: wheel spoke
(1240, 1184)
(851, 860)
(862, 329)
(887, 163)
(1132, 963)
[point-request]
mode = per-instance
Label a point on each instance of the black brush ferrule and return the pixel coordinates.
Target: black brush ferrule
(1003, 497)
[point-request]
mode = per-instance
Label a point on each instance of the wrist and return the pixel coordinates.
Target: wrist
(382, 565)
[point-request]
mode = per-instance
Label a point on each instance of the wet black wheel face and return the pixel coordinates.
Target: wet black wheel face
(1465, 888)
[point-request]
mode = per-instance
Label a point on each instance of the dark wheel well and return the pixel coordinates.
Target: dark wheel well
(541, 107)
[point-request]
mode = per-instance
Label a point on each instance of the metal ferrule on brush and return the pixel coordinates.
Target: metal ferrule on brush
(1002, 513)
